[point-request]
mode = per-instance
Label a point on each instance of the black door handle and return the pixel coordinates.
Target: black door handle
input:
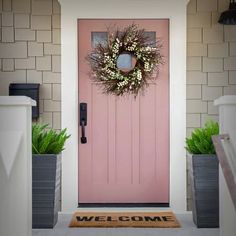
(83, 138)
(83, 121)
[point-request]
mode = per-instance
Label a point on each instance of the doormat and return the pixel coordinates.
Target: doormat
(125, 219)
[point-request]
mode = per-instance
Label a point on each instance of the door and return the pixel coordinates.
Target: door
(126, 157)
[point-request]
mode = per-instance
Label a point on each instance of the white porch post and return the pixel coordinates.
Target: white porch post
(15, 166)
(227, 115)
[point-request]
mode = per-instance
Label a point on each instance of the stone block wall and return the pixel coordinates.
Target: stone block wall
(30, 51)
(211, 62)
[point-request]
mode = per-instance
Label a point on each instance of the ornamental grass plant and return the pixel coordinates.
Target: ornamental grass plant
(47, 141)
(200, 141)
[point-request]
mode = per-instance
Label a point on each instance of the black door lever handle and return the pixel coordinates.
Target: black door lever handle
(83, 121)
(83, 138)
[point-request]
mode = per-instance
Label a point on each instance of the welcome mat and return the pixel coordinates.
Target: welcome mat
(125, 219)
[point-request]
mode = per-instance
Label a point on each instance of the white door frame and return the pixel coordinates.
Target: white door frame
(175, 11)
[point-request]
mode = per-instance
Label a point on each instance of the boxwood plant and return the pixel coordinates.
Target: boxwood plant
(47, 141)
(200, 141)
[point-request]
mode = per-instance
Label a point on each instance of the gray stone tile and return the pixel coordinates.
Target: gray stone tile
(188, 229)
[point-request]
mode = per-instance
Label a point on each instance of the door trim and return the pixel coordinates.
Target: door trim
(154, 9)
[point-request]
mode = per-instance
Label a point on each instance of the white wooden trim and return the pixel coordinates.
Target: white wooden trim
(175, 11)
(16, 101)
(227, 114)
(15, 165)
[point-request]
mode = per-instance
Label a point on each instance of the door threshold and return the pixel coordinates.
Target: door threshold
(123, 209)
(123, 205)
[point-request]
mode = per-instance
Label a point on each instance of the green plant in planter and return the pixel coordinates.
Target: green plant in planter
(47, 141)
(204, 175)
(47, 144)
(200, 141)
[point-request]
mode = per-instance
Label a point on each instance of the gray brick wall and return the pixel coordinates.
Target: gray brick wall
(211, 62)
(30, 51)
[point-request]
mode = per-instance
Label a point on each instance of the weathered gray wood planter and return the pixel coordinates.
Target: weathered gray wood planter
(46, 194)
(204, 175)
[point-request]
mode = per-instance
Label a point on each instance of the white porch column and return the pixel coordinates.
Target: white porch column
(227, 109)
(15, 166)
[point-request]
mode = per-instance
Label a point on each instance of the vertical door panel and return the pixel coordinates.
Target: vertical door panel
(123, 140)
(148, 136)
(99, 136)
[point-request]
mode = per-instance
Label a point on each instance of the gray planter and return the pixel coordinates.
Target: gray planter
(46, 193)
(204, 175)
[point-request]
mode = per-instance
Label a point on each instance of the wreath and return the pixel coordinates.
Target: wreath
(145, 54)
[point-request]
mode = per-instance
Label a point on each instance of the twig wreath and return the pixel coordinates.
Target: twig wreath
(146, 58)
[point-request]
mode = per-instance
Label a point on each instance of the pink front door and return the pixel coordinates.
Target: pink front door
(126, 157)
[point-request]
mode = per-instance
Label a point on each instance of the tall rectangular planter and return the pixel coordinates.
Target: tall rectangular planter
(204, 175)
(46, 194)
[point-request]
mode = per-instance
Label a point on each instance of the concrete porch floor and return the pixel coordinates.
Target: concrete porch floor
(188, 229)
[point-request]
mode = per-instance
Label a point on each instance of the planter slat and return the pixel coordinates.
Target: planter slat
(46, 197)
(204, 177)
